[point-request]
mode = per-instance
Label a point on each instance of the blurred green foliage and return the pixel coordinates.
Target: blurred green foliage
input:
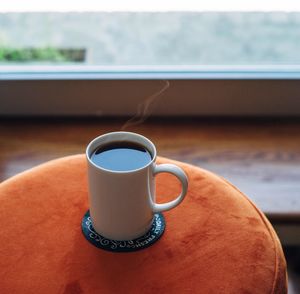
(41, 54)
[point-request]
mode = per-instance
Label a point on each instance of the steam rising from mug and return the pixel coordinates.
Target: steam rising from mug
(143, 108)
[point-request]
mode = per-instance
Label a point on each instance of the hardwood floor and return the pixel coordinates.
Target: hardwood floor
(261, 157)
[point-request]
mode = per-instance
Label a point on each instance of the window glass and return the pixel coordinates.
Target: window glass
(186, 34)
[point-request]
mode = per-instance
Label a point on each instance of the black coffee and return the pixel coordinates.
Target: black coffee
(121, 156)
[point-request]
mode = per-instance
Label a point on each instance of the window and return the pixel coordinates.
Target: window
(206, 50)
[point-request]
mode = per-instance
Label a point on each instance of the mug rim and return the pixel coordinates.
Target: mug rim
(89, 146)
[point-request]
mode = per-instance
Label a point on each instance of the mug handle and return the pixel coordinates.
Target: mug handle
(181, 176)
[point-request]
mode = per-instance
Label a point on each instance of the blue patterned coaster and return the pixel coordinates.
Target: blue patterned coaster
(142, 242)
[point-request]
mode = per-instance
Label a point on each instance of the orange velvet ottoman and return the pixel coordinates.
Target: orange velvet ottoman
(216, 241)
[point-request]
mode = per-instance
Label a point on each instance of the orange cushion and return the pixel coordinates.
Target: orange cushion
(216, 241)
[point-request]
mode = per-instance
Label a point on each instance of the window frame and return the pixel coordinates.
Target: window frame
(117, 91)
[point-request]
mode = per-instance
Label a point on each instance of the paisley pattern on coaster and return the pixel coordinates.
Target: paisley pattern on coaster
(155, 232)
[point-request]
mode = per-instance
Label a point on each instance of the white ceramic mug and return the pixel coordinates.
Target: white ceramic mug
(122, 203)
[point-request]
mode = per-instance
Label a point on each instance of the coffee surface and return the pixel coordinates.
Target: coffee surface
(121, 156)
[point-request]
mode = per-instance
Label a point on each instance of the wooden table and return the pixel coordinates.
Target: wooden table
(260, 157)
